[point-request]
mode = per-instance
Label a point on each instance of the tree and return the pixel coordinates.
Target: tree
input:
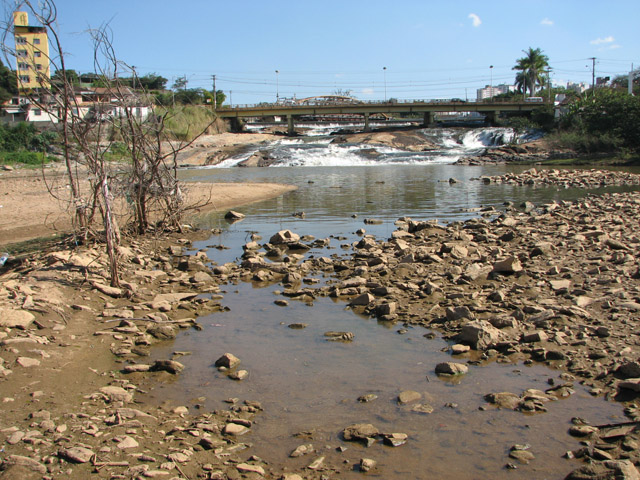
(530, 69)
(71, 76)
(8, 83)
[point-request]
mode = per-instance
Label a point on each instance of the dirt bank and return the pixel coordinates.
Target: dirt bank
(33, 205)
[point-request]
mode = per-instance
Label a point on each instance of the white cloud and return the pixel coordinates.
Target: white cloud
(367, 91)
(475, 19)
(546, 22)
(600, 41)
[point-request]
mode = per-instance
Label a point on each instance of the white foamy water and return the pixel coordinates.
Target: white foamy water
(313, 151)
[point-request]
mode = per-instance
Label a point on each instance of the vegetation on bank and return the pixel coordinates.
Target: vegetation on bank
(25, 144)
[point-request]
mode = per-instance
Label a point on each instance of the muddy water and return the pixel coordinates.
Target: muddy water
(308, 384)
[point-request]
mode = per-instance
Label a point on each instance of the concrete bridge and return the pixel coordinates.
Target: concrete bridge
(491, 109)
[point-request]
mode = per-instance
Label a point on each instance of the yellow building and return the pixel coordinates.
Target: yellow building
(32, 54)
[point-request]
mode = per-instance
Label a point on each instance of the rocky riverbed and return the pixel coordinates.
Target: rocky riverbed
(557, 284)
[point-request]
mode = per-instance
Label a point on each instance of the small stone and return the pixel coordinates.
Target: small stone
(127, 442)
(234, 429)
(459, 349)
(27, 362)
(170, 366)
(395, 439)
(117, 394)
(76, 454)
(249, 468)
(239, 375)
(367, 464)
(408, 396)
(451, 368)
(302, 450)
(228, 360)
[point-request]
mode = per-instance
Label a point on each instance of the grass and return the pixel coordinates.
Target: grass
(32, 159)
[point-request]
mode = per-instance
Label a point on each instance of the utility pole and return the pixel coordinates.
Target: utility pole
(215, 96)
(593, 74)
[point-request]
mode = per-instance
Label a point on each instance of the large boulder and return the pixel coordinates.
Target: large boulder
(284, 237)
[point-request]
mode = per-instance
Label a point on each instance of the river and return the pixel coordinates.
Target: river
(307, 384)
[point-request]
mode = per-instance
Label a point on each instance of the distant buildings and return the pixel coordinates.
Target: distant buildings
(492, 91)
(33, 67)
(578, 87)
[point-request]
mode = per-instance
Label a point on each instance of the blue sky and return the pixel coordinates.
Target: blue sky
(431, 49)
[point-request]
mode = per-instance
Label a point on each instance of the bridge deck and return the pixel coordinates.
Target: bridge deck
(373, 108)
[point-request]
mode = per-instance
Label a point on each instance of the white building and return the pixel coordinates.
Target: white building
(492, 91)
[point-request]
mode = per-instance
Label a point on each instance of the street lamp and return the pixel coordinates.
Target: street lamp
(491, 82)
(277, 88)
(384, 69)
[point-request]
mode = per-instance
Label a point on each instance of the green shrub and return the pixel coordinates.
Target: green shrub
(23, 157)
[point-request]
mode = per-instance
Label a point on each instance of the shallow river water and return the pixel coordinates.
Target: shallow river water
(307, 384)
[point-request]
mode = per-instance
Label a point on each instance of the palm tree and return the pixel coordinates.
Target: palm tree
(530, 69)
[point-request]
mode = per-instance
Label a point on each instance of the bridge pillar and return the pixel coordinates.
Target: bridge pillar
(491, 118)
(290, 128)
(428, 119)
(366, 122)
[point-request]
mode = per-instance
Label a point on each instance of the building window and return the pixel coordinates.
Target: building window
(21, 40)
(22, 53)
(36, 41)
(25, 78)
(37, 54)
(23, 66)
(38, 67)
(37, 112)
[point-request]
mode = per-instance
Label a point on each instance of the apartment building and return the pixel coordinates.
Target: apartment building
(32, 54)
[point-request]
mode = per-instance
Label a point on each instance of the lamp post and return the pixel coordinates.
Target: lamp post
(384, 70)
(277, 88)
(491, 82)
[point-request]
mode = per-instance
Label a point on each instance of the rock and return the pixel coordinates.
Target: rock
(479, 334)
(367, 464)
(232, 215)
(339, 336)
(297, 326)
(30, 463)
(364, 299)
(302, 450)
(228, 360)
(234, 429)
(170, 366)
(522, 456)
(369, 397)
(507, 265)
(422, 408)
(117, 394)
(408, 396)
(503, 400)
(537, 336)
(127, 442)
(76, 454)
(611, 469)
(284, 237)
(451, 368)
(316, 464)
(13, 318)
(629, 370)
(249, 468)
(395, 439)
(239, 375)
(360, 432)
(457, 313)
(27, 362)
(459, 349)
(163, 332)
